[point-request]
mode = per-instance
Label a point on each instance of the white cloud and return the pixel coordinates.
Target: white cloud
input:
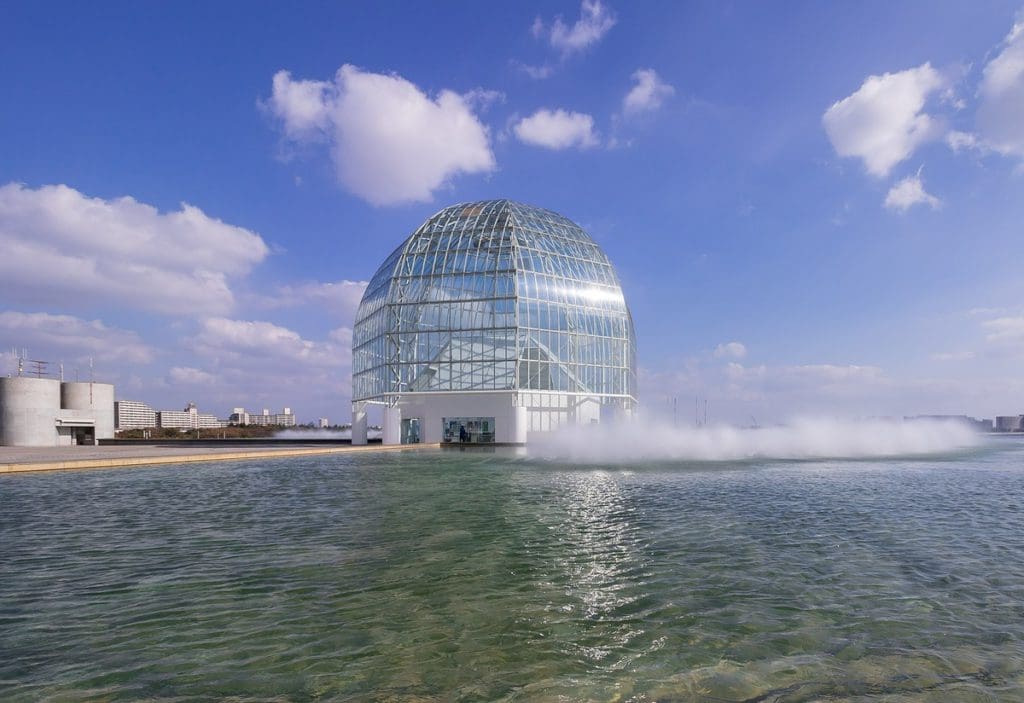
(595, 21)
(648, 94)
(64, 337)
(731, 350)
(59, 246)
(535, 72)
(1000, 114)
(243, 341)
(482, 98)
(188, 376)
(1004, 329)
(909, 192)
(260, 364)
(962, 141)
(391, 143)
(884, 122)
(766, 394)
(537, 28)
(953, 356)
(339, 299)
(557, 129)
(821, 376)
(301, 105)
(986, 312)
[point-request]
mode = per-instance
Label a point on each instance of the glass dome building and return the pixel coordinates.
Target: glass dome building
(492, 321)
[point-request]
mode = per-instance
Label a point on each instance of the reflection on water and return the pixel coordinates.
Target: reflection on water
(464, 576)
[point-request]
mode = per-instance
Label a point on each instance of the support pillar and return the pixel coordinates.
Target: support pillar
(392, 425)
(359, 423)
(521, 421)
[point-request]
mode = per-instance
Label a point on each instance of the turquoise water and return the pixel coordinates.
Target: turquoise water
(433, 576)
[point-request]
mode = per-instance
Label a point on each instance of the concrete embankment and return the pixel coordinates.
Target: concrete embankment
(18, 459)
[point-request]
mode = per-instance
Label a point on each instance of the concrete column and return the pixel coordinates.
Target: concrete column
(520, 424)
(359, 423)
(392, 426)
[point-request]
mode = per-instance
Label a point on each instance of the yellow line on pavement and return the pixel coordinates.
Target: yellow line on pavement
(113, 462)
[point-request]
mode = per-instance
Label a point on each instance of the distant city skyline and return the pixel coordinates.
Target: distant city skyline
(814, 208)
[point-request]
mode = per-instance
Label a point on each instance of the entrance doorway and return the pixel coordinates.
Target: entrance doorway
(411, 430)
(468, 430)
(85, 436)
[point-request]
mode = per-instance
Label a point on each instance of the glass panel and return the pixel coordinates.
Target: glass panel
(441, 313)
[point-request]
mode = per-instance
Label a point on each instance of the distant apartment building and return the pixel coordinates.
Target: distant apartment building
(188, 419)
(323, 422)
(1010, 423)
(133, 415)
(285, 418)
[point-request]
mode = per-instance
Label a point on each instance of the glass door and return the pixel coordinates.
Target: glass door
(468, 430)
(411, 430)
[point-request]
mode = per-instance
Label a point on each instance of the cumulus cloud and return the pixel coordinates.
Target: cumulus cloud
(302, 106)
(557, 130)
(61, 246)
(648, 93)
(909, 192)
(1000, 114)
(188, 376)
(339, 299)
(595, 21)
(390, 142)
(730, 350)
(884, 122)
(260, 363)
(57, 337)
(962, 141)
(235, 341)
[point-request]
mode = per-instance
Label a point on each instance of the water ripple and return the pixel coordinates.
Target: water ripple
(438, 577)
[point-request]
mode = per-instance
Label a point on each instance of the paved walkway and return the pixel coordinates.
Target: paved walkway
(18, 459)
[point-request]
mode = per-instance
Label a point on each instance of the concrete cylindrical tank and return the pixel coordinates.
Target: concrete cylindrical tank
(97, 398)
(28, 411)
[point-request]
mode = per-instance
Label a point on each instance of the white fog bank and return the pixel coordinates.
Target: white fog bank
(800, 439)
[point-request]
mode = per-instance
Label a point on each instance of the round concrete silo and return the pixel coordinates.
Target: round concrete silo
(97, 398)
(28, 411)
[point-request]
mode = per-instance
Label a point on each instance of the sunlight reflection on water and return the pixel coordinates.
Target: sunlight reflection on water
(466, 576)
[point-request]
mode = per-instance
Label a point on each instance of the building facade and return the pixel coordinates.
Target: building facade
(188, 419)
(133, 415)
(45, 412)
(1009, 423)
(494, 320)
(285, 418)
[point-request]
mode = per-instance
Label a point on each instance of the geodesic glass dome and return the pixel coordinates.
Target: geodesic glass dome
(495, 295)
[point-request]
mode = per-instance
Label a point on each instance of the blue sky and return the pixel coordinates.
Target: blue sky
(814, 207)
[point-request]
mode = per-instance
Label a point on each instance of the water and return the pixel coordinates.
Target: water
(433, 576)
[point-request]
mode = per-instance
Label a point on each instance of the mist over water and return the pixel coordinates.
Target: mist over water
(800, 439)
(313, 434)
(321, 434)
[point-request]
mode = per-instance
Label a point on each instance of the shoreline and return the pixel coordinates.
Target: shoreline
(157, 457)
